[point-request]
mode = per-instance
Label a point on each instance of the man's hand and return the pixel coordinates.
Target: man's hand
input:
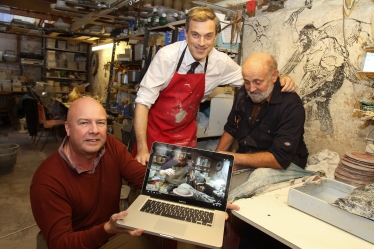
(287, 83)
(170, 172)
(112, 228)
(231, 207)
(142, 157)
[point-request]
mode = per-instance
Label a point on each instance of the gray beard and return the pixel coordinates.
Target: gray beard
(259, 98)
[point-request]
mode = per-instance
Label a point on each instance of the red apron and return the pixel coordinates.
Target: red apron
(172, 118)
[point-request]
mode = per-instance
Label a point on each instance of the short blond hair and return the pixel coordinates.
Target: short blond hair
(203, 14)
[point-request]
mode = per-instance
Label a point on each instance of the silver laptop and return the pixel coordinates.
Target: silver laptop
(184, 195)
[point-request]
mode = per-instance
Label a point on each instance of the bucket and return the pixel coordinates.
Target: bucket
(8, 158)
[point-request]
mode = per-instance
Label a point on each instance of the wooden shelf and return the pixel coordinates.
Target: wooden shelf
(368, 48)
(65, 69)
(65, 50)
(124, 89)
(129, 63)
(63, 78)
(86, 4)
(366, 75)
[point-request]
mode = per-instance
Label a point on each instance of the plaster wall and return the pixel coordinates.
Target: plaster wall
(319, 46)
(101, 79)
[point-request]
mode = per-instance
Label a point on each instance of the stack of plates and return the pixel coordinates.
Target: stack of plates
(355, 168)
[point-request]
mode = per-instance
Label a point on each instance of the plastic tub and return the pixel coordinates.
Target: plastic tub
(51, 43)
(5, 85)
(61, 63)
(8, 158)
(17, 87)
(61, 44)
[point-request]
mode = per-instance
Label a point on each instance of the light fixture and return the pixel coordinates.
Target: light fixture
(103, 46)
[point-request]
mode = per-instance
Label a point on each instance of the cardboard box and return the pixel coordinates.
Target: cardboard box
(82, 66)
(72, 65)
(315, 200)
(118, 130)
(73, 45)
(51, 43)
(83, 47)
(61, 44)
(70, 56)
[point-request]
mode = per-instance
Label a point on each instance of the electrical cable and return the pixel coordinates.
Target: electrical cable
(25, 228)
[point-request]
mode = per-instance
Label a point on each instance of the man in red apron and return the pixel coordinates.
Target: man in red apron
(169, 95)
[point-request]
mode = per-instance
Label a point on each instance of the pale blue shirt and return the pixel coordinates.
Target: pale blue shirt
(222, 70)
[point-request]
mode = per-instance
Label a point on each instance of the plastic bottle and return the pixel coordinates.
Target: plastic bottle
(156, 22)
(160, 10)
(149, 21)
(181, 15)
(181, 35)
(167, 38)
(163, 9)
(171, 17)
(162, 20)
(131, 31)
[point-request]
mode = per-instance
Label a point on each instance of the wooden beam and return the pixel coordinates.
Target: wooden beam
(93, 16)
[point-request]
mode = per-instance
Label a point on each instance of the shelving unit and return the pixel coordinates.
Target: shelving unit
(203, 164)
(74, 70)
(143, 63)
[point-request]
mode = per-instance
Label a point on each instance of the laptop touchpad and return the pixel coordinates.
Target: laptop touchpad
(170, 227)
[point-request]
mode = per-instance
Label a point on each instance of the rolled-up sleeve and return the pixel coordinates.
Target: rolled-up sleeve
(158, 76)
(289, 132)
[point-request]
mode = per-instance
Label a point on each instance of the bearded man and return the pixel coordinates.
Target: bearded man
(269, 128)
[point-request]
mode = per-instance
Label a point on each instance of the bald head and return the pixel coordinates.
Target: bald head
(84, 105)
(259, 74)
(261, 61)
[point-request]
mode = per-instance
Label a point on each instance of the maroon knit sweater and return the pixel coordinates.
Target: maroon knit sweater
(70, 208)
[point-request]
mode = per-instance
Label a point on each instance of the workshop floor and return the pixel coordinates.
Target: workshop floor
(18, 228)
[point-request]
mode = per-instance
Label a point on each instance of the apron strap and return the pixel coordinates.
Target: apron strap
(181, 59)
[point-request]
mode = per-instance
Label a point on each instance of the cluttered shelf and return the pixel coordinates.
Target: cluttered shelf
(128, 63)
(66, 69)
(62, 78)
(66, 50)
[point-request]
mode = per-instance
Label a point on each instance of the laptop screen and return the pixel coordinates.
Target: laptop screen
(188, 175)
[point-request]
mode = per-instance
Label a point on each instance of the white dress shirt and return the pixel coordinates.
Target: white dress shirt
(222, 70)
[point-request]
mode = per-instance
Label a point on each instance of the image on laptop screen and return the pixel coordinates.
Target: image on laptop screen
(188, 175)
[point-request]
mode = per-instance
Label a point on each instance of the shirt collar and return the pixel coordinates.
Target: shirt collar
(79, 170)
(188, 58)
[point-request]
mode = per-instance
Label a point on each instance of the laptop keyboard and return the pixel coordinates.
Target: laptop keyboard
(178, 212)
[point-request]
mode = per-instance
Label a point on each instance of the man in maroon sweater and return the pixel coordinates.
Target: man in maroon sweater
(75, 192)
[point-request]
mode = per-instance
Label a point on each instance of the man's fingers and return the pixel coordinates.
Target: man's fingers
(136, 232)
(232, 206)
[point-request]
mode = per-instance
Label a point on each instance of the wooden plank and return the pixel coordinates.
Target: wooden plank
(93, 16)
